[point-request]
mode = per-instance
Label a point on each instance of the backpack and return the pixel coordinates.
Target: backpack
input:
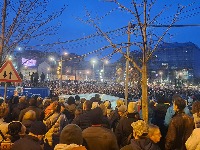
(5, 144)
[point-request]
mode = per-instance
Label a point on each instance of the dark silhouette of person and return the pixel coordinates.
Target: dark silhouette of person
(36, 77)
(42, 77)
(32, 77)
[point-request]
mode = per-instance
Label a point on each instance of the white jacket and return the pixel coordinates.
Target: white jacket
(193, 142)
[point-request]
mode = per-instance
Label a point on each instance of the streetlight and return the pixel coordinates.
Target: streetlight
(105, 62)
(61, 67)
(93, 61)
(161, 73)
(52, 71)
(87, 73)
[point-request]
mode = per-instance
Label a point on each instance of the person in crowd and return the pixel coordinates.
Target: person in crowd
(35, 79)
(122, 111)
(117, 113)
(40, 102)
(154, 133)
(33, 140)
(106, 122)
(96, 136)
(124, 130)
(16, 130)
(78, 112)
(3, 125)
(32, 106)
(12, 103)
(170, 111)
(82, 100)
(84, 120)
(42, 77)
(20, 106)
(28, 118)
(193, 142)
(141, 140)
(160, 110)
(55, 123)
(180, 127)
(97, 98)
(71, 107)
(48, 107)
(77, 100)
(189, 103)
(65, 111)
(70, 138)
(32, 77)
(107, 103)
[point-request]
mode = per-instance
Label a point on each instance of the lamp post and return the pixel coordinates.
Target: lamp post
(61, 68)
(87, 73)
(52, 59)
(93, 63)
(105, 62)
(161, 73)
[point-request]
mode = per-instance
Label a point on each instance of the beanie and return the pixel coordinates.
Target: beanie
(71, 134)
(122, 108)
(140, 128)
(132, 107)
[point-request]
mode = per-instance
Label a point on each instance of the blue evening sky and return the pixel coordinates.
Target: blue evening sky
(109, 16)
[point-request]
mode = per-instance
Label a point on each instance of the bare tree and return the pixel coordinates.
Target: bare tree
(147, 47)
(24, 22)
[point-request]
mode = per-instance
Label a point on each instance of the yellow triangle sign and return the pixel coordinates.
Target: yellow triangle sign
(8, 73)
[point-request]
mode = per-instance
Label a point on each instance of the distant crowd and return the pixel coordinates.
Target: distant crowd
(91, 124)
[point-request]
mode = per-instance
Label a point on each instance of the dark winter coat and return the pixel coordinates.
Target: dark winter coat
(16, 110)
(84, 120)
(141, 144)
(114, 119)
(124, 129)
(180, 128)
(27, 143)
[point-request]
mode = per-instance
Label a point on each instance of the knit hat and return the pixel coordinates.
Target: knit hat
(122, 108)
(38, 128)
(29, 115)
(132, 107)
(119, 102)
(140, 128)
(71, 134)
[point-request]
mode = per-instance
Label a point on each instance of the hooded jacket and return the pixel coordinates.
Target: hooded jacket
(141, 144)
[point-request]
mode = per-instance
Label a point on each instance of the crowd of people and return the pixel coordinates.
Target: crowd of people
(47, 124)
(92, 124)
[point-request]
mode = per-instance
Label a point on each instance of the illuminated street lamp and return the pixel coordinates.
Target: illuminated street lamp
(61, 67)
(105, 62)
(161, 73)
(87, 73)
(93, 61)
